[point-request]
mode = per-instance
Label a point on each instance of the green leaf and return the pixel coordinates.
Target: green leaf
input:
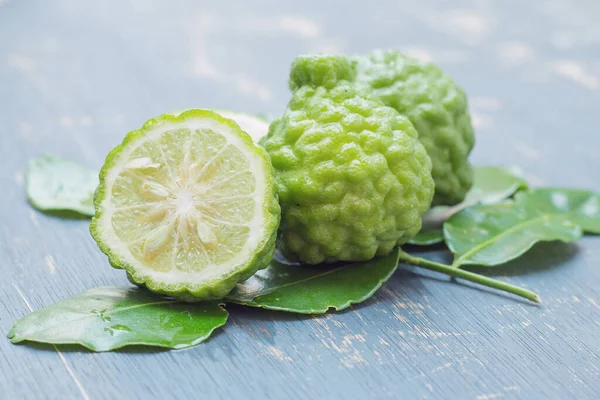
(494, 234)
(494, 184)
(55, 183)
(579, 206)
(427, 238)
(111, 317)
(491, 185)
(314, 290)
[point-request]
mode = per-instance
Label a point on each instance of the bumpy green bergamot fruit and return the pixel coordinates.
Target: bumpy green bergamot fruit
(438, 109)
(352, 177)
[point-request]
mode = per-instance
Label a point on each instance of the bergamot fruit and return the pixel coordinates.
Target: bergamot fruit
(352, 177)
(187, 206)
(438, 109)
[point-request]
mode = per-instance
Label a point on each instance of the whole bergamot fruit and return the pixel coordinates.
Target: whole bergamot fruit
(438, 109)
(352, 177)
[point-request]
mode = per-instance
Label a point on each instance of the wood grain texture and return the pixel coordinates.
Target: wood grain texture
(76, 76)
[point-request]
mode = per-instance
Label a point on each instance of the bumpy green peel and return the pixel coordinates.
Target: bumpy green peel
(352, 177)
(188, 290)
(438, 109)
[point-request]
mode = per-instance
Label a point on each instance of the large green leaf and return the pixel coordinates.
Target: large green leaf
(55, 183)
(579, 206)
(111, 317)
(314, 290)
(494, 234)
(491, 185)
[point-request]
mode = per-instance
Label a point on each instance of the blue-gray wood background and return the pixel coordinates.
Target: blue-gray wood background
(76, 75)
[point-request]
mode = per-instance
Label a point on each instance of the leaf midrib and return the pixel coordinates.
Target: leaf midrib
(491, 241)
(143, 305)
(88, 314)
(299, 282)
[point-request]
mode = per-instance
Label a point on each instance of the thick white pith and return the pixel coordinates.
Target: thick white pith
(256, 127)
(178, 208)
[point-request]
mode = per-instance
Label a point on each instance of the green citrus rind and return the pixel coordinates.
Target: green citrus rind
(256, 125)
(190, 290)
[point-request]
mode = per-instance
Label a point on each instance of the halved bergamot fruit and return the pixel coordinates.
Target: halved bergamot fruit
(187, 206)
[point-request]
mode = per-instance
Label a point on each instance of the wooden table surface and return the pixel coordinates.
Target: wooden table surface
(75, 76)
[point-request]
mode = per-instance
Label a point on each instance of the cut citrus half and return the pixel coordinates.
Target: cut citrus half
(187, 206)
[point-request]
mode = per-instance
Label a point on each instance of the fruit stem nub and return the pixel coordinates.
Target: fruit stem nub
(320, 70)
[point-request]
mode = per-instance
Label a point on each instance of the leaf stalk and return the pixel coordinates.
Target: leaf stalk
(469, 276)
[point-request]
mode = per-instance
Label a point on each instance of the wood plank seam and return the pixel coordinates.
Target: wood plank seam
(84, 394)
